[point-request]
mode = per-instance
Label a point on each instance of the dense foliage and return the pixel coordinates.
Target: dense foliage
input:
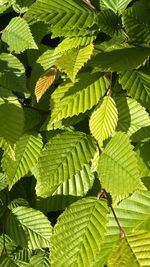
(75, 133)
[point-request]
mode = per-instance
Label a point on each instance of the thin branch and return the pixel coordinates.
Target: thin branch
(104, 194)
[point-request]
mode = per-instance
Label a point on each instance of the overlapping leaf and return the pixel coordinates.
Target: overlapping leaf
(74, 32)
(121, 59)
(84, 225)
(68, 191)
(118, 167)
(9, 262)
(132, 117)
(134, 249)
(18, 36)
(27, 151)
(76, 59)
(43, 63)
(69, 43)
(40, 260)
(137, 83)
(29, 228)
(115, 5)
(62, 157)
(104, 119)
(12, 73)
(72, 99)
(137, 23)
(108, 22)
(65, 16)
(130, 213)
(142, 151)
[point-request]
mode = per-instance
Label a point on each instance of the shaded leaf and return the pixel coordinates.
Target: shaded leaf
(40, 260)
(132, 117)
(121, 59)
(29, 228)
(136, 21)
(12, 74)
(137, 83)
(11, 117)
(68, 191)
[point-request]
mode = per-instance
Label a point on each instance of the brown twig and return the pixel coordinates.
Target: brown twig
(104, 194)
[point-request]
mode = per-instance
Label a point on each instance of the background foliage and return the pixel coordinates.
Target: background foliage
(75, 133)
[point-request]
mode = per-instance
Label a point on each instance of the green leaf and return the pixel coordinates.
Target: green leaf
(104, 119)
(69, 15)
(130, 212)
(108, 22)
(132, 117)
(23, 254)
(74, 42)
(18, 36)
(78, 233)
(12, 73)
(29, 228)
(134, 250)
(9, 245)
(122, 255)
(114, 5)
(72, 99)
(27, 151)
(5, 261)
(137, 84)
(40, 260)
(118, 167)
(136, 21)
(142, 151)
(63, 156)
(145, 225)
(68, 191)
(121, 59)
(74, 32)
(11, 118)
(76, 59)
